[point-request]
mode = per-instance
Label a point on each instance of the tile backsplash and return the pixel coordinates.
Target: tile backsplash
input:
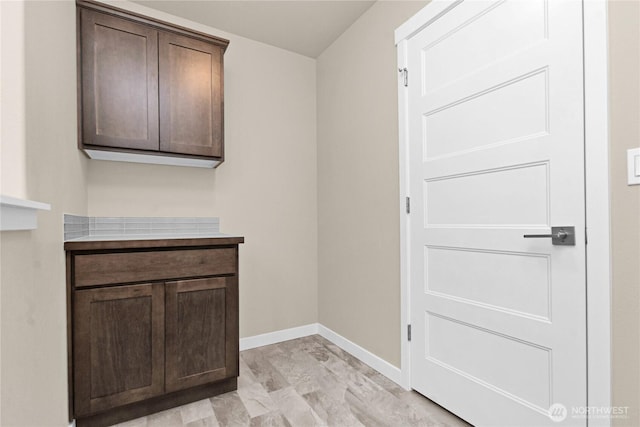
(81, 226)
(75, 227)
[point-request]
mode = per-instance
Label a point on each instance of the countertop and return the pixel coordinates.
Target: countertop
(141, 241)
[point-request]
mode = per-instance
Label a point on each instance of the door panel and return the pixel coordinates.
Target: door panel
(120, 82)
(478, 34)
(496, 152)
(191, 85)
(507, 121)
(528, 296)
(476, 198)
(529, 377)
(202, 331)
(118, 346)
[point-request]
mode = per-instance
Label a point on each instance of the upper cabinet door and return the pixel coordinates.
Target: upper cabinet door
(119, 82)
(191, 120)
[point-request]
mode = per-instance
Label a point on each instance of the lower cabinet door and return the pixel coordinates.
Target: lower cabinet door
(201, 331)
(118, 346)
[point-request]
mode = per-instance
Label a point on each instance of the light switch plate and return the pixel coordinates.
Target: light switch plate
(633, 166)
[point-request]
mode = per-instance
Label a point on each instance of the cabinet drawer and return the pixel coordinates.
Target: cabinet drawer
(126, 267)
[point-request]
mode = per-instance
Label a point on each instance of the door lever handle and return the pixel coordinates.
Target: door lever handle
(559, 236)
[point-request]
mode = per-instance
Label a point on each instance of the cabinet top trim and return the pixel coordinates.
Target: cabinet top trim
(158, 24)
(151, 243)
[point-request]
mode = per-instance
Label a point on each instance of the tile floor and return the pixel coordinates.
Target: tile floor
(306, 382)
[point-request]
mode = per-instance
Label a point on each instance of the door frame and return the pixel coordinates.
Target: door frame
(598, 252)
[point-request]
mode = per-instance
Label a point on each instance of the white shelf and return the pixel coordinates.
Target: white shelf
(633, 166)
(20, 214)
(146, 158)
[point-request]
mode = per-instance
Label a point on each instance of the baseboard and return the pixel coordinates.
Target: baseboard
(278, 336)
(364, 355)
(377, 363)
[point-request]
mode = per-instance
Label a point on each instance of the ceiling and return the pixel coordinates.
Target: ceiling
(306, 27)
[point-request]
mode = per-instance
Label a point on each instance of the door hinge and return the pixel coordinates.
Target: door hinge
(405, 76)
(408, 204)
(409, 332)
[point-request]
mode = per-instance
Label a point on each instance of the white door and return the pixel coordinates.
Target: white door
(495, 124)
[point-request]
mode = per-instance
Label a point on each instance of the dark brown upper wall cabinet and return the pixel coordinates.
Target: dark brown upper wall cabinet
(190, 96)
(149, 91)
(119, 83)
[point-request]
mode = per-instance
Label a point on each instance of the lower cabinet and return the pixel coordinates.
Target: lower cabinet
(144, 347)
(199, 319)
(119, 346)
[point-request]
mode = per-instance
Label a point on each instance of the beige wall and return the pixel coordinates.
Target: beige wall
(358, 195)
(12, 119)
(265, 190)
(624, 81)
(33, 313)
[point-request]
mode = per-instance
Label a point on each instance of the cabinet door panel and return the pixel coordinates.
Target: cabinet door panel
(190, 96)
(120, 82)
(118, 346)
(202, 331)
